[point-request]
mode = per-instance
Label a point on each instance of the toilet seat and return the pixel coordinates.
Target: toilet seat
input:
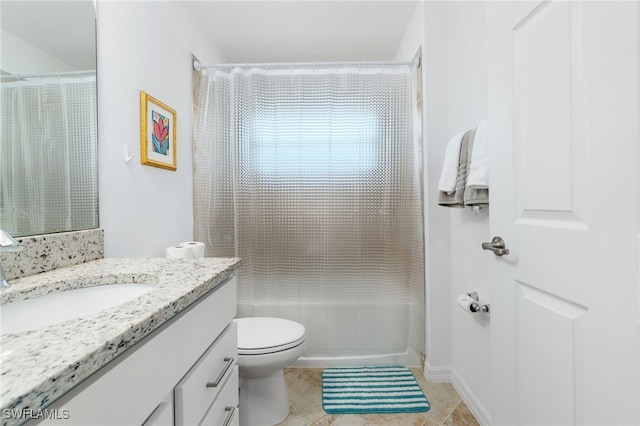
(262, 335)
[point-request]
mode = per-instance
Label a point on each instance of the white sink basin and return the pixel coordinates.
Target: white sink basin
(54, 308)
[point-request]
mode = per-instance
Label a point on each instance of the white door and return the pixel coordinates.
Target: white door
(563, 118)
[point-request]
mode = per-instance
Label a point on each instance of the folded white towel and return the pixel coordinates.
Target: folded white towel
(479, 167)
(450, 166)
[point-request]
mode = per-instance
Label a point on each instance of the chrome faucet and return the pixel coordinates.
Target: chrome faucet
(7, 244)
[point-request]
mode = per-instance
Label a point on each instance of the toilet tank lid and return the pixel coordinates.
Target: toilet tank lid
(265, 332)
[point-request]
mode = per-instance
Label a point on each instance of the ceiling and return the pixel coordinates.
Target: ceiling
(302, 31)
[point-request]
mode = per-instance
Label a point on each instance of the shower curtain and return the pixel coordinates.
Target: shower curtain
(312, 177)
(48, 155)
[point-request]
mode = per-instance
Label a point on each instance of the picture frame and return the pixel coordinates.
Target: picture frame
(158, 141)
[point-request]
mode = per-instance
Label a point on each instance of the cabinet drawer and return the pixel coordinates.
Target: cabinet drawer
(162, 415)
(197, 390)
(224, 411)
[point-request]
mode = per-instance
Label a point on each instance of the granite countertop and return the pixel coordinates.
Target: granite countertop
(39, 366)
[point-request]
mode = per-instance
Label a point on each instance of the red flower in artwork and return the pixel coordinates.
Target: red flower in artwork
(160, 128)
(160, 135)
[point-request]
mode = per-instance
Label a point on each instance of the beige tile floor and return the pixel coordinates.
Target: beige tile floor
(305, 399)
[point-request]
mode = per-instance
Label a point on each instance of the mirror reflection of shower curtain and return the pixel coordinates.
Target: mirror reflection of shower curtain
(48, 155)
(312, 177)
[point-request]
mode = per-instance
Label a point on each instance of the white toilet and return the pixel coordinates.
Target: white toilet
(265, 347)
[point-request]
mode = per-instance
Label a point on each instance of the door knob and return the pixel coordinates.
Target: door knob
(496, 246)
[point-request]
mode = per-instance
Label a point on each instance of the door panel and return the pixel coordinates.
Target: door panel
(542, 71)
(552, 334)
(548, 121)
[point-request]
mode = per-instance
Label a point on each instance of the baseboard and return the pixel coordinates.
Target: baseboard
(449, 375)
(470, 399)
(437, 374)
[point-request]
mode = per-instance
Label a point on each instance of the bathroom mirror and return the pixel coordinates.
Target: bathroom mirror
(48, 113)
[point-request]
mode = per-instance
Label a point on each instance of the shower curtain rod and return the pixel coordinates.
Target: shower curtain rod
(197, 66)
(18, 77)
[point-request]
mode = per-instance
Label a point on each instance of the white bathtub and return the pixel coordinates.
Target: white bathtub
(348, 334)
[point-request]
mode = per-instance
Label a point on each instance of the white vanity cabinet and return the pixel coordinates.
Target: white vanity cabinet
(183, 373)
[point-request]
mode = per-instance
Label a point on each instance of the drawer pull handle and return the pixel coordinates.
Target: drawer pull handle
(230, 412)
(214, 384)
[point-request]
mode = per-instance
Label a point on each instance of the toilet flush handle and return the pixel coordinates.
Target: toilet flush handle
(216, 382)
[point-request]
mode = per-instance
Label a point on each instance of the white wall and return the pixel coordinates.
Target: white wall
(452, 35)
(467, 106)
(438, 365)
(145, 46)
(427, 30)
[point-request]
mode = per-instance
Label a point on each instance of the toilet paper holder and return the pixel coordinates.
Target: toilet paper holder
(476, 307)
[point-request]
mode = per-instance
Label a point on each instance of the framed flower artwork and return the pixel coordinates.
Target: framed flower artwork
(158, 142)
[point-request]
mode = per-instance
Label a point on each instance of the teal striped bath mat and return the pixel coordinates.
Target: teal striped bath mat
(369, 390)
